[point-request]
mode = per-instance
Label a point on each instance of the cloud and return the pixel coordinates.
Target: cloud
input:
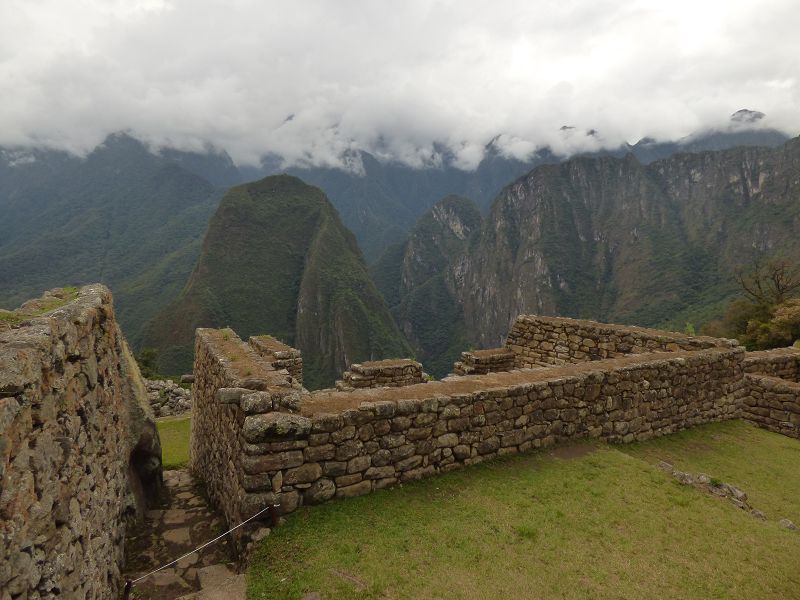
(311, 81)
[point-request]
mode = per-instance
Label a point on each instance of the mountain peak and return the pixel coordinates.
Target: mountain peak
(747, 116)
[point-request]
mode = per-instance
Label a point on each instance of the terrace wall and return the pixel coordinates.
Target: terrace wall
(780, 362)
(79, 452)
(480, 362)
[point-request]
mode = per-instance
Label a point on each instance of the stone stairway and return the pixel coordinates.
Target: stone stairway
(185, 521)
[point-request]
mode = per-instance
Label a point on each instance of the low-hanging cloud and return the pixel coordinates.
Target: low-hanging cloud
(312, 80)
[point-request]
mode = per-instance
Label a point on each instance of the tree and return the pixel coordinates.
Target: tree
(770, 284)
(768, 316)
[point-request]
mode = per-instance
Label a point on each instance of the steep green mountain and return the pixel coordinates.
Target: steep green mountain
(615, 240)
(121, 216)
(380, 201)
(276, 259)
(418, 282)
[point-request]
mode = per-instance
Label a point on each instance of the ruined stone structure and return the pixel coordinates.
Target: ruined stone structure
(555, 380)
(79, 452)
(480, 362)
(280, 355)
(546, 341)
(393, 372)
(773, 381)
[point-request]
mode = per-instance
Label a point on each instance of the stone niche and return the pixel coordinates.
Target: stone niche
(79, 452)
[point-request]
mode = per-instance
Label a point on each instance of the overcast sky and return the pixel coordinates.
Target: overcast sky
(311, 79)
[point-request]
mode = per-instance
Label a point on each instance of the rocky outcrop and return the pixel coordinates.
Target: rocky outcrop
(79, 451)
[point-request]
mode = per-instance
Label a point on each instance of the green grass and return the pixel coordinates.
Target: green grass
(608, 524)
(174, 434)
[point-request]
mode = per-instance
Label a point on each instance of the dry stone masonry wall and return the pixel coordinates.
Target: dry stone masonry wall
(260, 439)
(546, 341)
(396, 372)
(79, 453)
(280, 355)
(480, 362)
(233, 382)
(781, 362)
(773, 382)
(167, 398)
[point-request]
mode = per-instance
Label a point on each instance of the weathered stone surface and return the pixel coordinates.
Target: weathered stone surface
(320, 491)
(168, 398)
(619, 384)
(274, 426)
(357, 489)
(79, 451)
(305, 473)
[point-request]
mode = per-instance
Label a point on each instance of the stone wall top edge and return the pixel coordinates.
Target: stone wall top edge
(25, 349)
(247, 366)
(766, 355)
(332, 403)
(775, 383)
(627, 329)
(271, 343)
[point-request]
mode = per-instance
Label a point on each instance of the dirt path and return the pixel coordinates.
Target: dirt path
(183, 523)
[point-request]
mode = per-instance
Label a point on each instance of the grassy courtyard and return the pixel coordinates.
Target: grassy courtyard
(593, 522)
(174, 434)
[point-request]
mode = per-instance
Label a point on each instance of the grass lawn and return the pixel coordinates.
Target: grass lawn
(174, 434)
(600, 524)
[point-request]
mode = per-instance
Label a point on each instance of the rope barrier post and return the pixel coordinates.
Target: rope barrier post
(273, 515)
(127, 591)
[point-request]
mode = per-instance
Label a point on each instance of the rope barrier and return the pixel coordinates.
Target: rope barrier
(271, 508)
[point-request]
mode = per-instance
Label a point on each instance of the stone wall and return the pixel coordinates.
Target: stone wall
(773, 403)
(394, 372)
(79, 452)
(167, 398)
(480, 362)
(546, 341)
(280, 355)
(781, 362)
(232, 382)
(260, 441)
(773, 384)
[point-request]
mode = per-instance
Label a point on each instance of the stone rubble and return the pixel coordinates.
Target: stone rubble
(168, 398)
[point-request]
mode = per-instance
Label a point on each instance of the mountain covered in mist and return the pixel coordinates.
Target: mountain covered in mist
(596, 237)
(133, 216)
(122, 216)
(277, 260)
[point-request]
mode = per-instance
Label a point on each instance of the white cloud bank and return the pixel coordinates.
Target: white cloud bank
(311, 79)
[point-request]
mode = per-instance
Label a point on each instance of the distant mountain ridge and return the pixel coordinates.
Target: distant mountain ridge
(277, 260)
(122, 216)
(133, 216)
(603, 238)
